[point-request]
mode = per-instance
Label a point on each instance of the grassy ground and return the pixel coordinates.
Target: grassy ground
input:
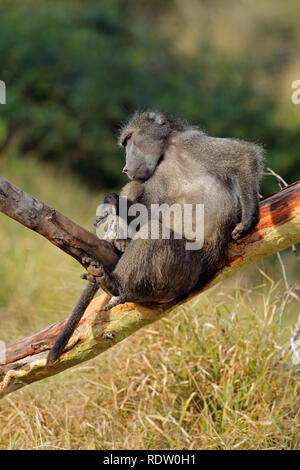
(205, 377)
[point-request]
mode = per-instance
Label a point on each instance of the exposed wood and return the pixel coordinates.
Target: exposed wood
(25, 362)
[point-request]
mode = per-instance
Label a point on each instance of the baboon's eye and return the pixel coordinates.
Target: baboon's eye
(126, 139)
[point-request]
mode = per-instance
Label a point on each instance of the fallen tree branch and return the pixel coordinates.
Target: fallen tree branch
(25, 360)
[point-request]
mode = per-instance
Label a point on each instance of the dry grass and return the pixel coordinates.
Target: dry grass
(203, 378)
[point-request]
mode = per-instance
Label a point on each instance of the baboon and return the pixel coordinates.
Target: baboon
(173, 162)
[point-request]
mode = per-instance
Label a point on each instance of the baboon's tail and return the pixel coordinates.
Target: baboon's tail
(85, 298)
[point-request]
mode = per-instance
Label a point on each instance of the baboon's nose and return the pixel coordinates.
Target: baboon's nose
(125, 170)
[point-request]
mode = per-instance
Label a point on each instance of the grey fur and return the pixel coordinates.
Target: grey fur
(174, 162)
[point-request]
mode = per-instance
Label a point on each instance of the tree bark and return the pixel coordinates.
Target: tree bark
(58, 229)
(25, 359)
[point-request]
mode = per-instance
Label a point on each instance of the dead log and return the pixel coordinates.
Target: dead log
(25, 359)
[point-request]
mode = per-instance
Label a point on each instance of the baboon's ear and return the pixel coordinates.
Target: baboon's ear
(158, 118)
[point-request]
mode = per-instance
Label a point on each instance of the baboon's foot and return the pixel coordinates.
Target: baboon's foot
(116, 300)
(97, 274)
(243, 228)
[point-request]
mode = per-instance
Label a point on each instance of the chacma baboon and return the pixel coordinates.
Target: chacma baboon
(172, 162)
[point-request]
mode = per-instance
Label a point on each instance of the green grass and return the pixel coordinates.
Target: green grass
(205, 377)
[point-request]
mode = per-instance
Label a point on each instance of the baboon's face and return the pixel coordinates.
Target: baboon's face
(144, 149)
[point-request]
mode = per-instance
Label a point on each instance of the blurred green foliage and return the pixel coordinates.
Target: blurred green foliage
(76, 70)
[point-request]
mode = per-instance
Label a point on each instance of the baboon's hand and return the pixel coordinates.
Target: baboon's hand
(108, 208)
(105, 211)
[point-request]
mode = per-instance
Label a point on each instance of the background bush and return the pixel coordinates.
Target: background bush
(76, 70)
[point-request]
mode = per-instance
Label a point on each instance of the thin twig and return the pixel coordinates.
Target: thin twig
(281, 182)
(283, 271)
